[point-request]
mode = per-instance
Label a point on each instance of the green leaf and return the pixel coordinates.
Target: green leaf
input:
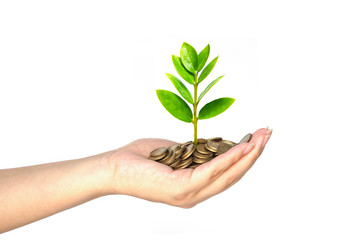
(215, 107)
(181, 70)
(207, 69)
(181, 88)
(175, 105)
(208, 87)
(203, 57)
(189, 57)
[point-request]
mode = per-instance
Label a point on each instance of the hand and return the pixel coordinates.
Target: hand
(135, 175)
(31, 193)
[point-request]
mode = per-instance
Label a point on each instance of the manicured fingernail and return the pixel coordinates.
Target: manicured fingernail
(249, 148)
(266, 139)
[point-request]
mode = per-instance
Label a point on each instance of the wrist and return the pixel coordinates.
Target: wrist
(102, 171)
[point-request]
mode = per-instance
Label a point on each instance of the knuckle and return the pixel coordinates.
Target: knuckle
(180, 196)
(188, 205)
(230, 181)
(183, 198)
(215, 174)
(182, 193)
(182, 203)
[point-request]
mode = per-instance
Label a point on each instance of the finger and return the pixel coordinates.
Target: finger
(267, 137)
(210, 171)
(260, 140)
(153, 143)
(234, 173)
(144, 146)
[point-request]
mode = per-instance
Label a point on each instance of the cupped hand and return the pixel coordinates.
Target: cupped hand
(133, 174)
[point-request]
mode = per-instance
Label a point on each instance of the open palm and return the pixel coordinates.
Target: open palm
(137, 176)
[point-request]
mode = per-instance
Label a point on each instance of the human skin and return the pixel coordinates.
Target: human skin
(28, 194)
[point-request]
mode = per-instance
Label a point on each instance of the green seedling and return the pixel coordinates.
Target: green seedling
(190, 67)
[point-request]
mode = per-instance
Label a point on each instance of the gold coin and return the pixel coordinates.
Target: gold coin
(186, 143)
(194, 165)
(175, 147)
(187, 155)
(202, 156)
(158, 153)
(188, 151)
(201, 149)
(174, 164)
(212, 146)
(179, 152)
(157, 158)
(202, 141)
(169, 159)
(246, 138)
(229, 142)
(215, 139)
(223, 148)
(183, 161)
(200, 160)
(185, 164)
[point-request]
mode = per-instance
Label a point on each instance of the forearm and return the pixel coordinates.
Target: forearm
(31, 193)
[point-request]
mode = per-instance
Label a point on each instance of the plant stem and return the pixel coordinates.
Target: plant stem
(195, 109)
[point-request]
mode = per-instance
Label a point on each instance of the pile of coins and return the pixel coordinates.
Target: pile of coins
(189, 155)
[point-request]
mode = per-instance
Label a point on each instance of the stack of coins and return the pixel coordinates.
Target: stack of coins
(187, 155)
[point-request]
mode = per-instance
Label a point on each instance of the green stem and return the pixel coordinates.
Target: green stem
(195, 109)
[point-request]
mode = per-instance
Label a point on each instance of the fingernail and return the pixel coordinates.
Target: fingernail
(249, 148)
(266, 139)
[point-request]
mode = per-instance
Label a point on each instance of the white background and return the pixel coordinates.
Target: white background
(79, 77)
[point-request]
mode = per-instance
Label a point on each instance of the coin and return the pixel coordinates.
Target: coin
(194, 165)
(188, 151)
(223, 148)
(158, 153)
(229, 142)
(202, 141)
(185, 163)
(169, 158)
(200, 160)
(201, 149)
(175, 147)
(202, 156)
(174, 164)
(215, 139)
(246, 138)
(180, 151)
(187, 155)
(186, 143)
(156, 158)
(212, 146)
